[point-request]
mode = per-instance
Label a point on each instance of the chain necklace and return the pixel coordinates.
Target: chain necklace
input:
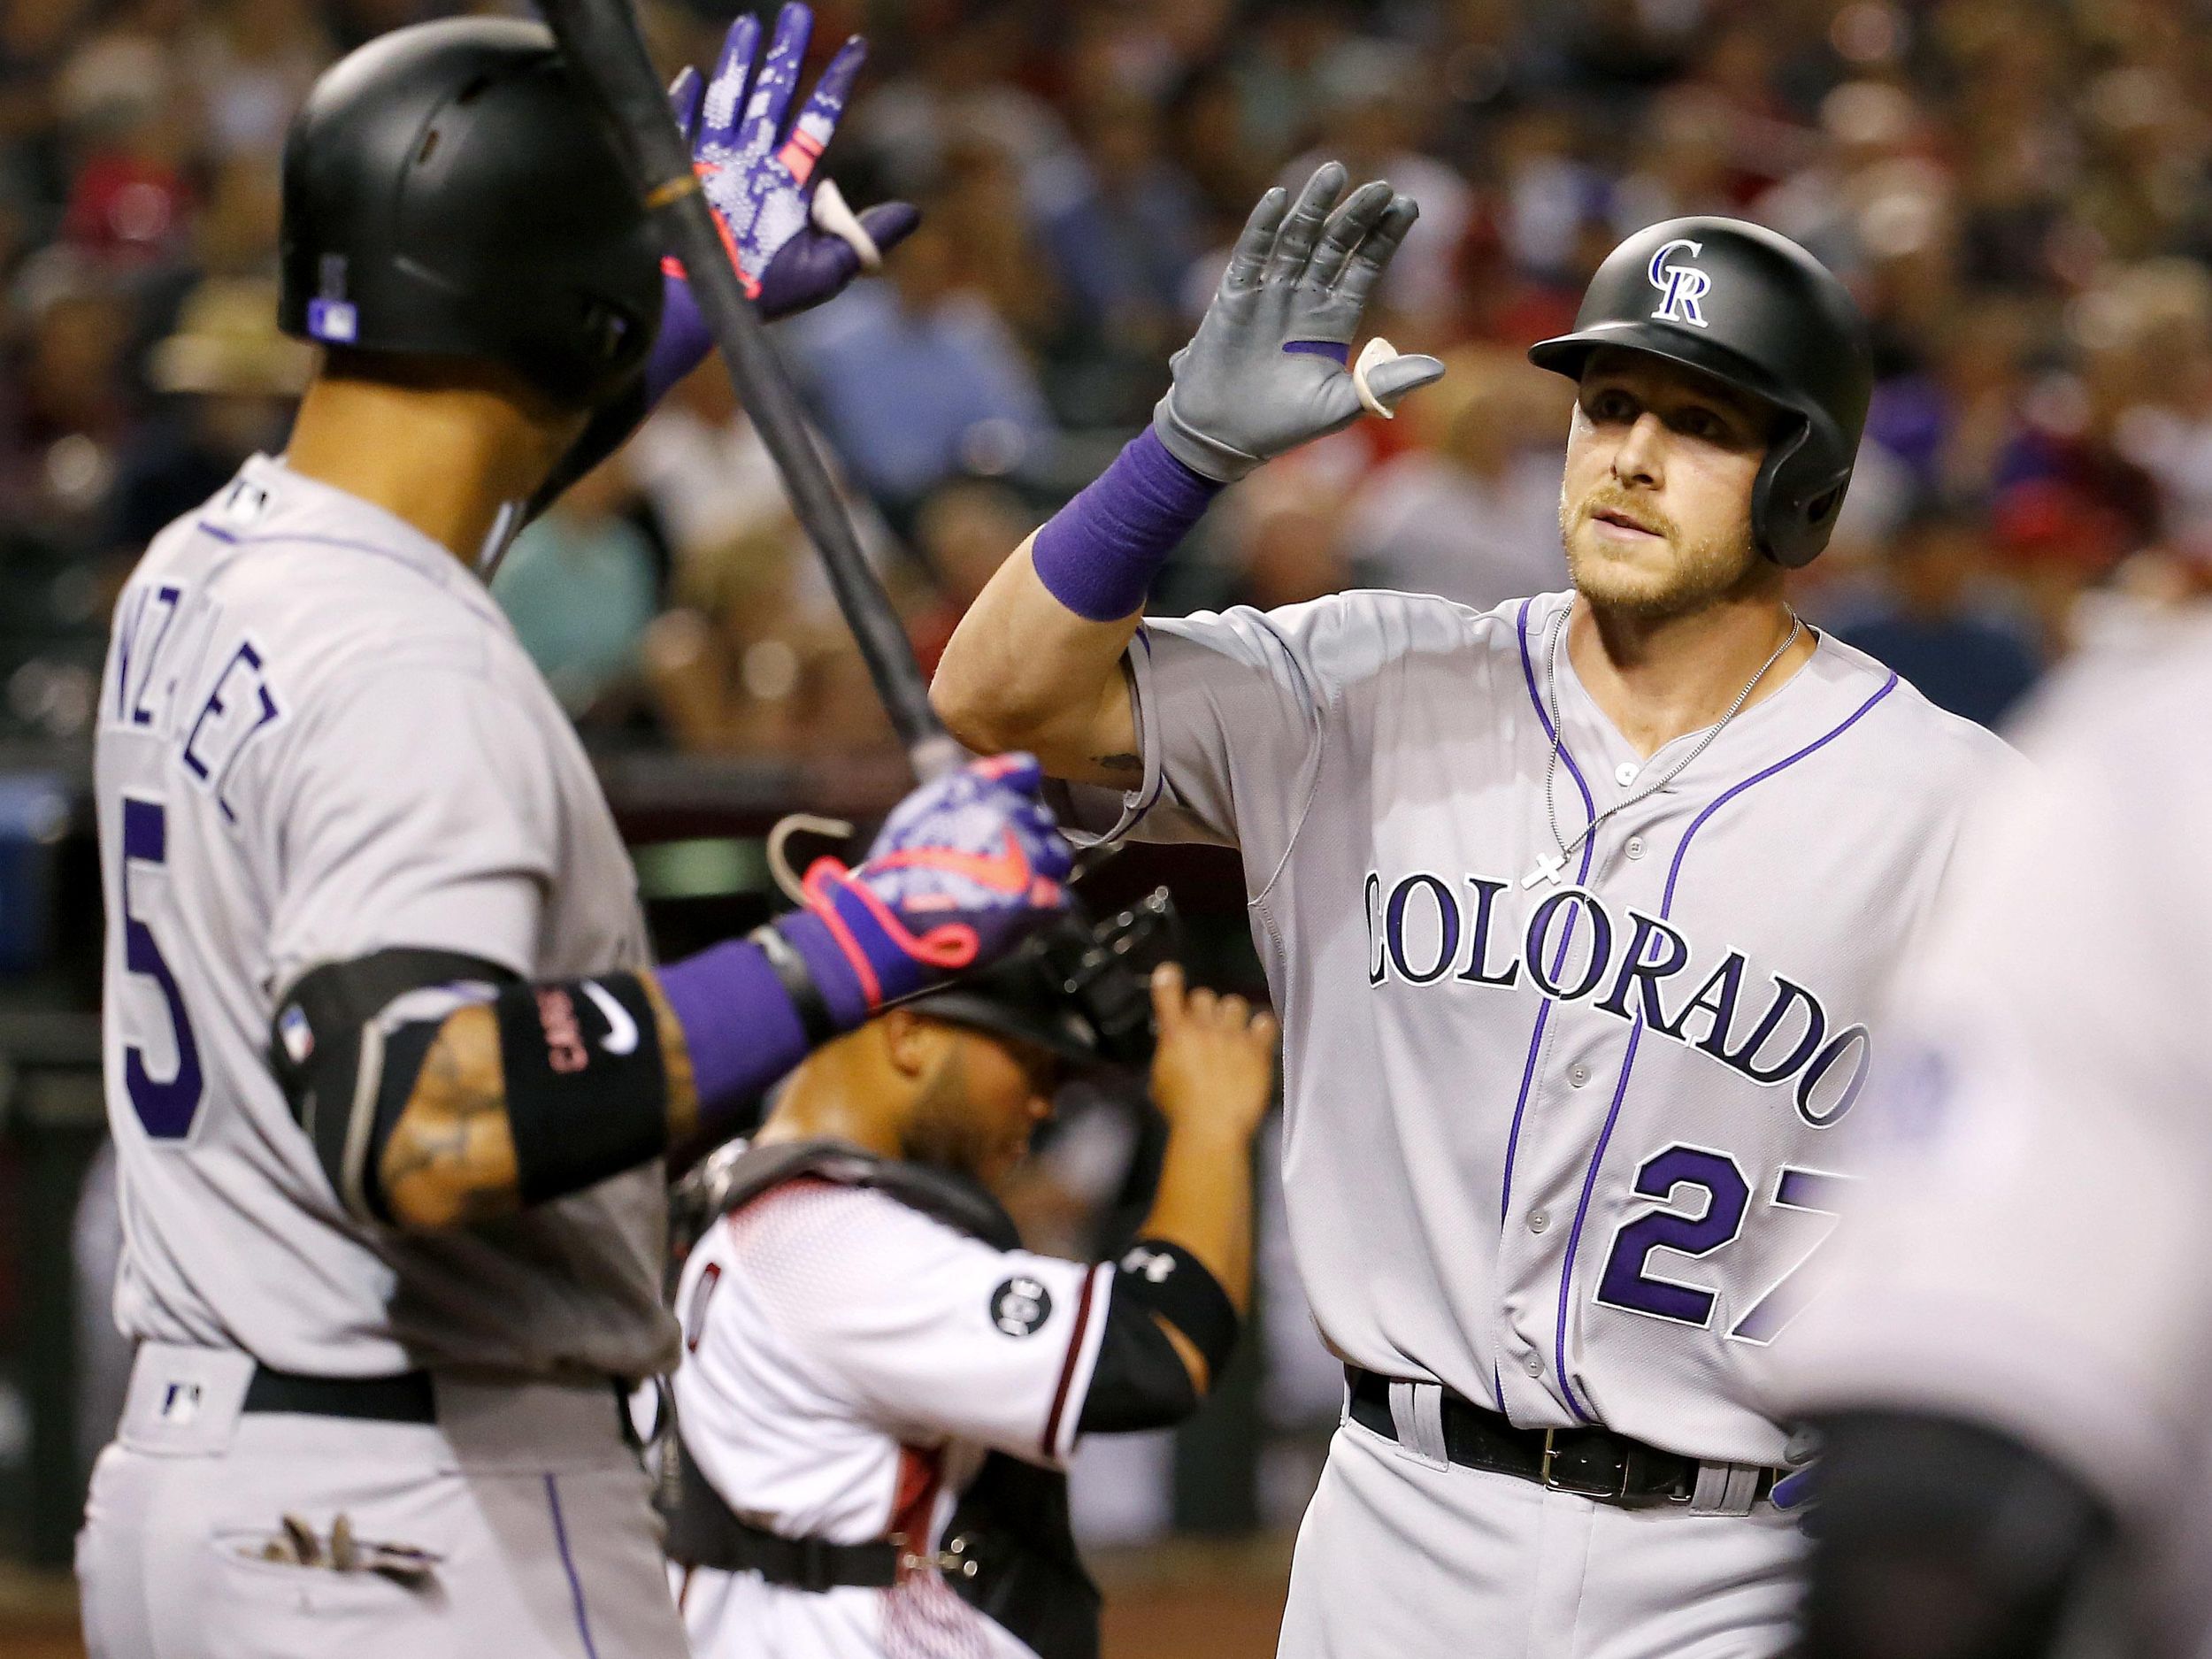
(1549, 869)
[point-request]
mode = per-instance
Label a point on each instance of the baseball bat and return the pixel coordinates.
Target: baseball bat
(601, 39)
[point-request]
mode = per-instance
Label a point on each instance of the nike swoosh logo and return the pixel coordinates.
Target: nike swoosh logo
(621, 1036)
(1006, 871)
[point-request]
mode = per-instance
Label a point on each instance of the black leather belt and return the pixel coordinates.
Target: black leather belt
(406, 1398)
(1591, 1462)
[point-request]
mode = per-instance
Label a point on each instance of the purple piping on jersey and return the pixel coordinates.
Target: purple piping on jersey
(568, 1565)
(1574, 1237)
(1628, 1064)
(220, 535)
(1528, 677)
(1566, 935)
(1566, 939)
(1666, 902)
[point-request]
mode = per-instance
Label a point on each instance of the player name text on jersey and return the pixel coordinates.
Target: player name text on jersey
(178, 673)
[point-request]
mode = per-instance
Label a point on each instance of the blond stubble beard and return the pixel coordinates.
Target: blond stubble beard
(1704, 571)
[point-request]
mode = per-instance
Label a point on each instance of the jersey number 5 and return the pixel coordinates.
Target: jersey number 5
(166, 1109)
(1628, 1281)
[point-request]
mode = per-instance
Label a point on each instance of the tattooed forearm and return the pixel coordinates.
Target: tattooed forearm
(450, 1158)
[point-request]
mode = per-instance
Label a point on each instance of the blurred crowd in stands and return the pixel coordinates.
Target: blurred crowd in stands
(2017, 189)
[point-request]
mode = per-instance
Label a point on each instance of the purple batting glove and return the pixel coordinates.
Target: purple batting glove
(963, 870)
(759, 177)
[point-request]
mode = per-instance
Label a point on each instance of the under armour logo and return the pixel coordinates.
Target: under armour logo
(1680, 286)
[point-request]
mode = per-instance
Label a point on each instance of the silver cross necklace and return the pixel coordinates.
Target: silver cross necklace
(1550, 869)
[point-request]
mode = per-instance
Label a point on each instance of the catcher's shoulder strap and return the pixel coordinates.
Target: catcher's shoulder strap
(960, 1204)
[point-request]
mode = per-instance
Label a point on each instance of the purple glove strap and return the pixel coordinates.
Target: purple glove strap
(1099, 554)
(739, 1026)
(1335, 350)
(681, 345)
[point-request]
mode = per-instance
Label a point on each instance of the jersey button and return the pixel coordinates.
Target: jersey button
(1625, 773)
(1533, 1365)
(1538, 1219)
(1635, 846)
(1577, 1074)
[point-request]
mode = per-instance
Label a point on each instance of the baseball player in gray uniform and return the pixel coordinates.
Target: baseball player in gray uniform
(1575, 913)
(2009, 1368)
(387, 1073)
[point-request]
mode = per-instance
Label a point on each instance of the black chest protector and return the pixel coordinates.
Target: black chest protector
(1009, 1552)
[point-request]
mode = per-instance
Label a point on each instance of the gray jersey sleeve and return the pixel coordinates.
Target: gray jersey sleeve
(1235, 712)
(413, 817)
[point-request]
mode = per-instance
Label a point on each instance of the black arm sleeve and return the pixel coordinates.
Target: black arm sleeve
(1140, 1381)
(1935, 1538)
(346, 1078)
(585, 1089)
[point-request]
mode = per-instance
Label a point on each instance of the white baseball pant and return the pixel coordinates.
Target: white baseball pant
(1401, 1559)
(519, 1523)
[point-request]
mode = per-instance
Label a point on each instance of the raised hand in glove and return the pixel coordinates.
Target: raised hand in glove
(1268, 368)
(963, 870)
(792, 239)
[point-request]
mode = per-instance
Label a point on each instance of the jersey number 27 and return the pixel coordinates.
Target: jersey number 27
(1628, 1281)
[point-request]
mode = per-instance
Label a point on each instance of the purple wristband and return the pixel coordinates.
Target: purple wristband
(681, 345)
(739, 1026)
(1099, 554)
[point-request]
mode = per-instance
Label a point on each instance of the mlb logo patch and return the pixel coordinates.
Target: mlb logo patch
(293, 1032)
(179, 1402)
(334, 320)
(246, 502)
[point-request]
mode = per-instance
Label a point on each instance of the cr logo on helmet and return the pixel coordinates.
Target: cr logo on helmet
(1680, 286)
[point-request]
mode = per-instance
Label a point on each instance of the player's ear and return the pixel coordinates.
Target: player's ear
(913, 1045)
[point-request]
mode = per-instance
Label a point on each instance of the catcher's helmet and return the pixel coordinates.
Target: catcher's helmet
(451, 189)
(1753, 309)
(1079, 990)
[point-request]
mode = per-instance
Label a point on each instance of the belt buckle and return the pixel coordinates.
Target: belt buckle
(1551, 1482)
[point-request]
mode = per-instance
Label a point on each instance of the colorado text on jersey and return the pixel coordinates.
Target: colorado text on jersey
(1421, 930)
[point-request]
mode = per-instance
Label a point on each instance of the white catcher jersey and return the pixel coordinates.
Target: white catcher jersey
(848, 1363)
(318, 738)
(2036, 1246)
(1569, 1148)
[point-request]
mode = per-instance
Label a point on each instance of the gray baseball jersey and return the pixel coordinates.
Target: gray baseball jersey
(1563, 1136)
(318, 738)
(2036, 1250)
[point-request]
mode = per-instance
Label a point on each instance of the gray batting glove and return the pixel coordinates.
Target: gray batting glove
(1266, 370)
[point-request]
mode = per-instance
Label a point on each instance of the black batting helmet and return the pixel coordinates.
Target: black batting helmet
(450, 189)
(1756, 310)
